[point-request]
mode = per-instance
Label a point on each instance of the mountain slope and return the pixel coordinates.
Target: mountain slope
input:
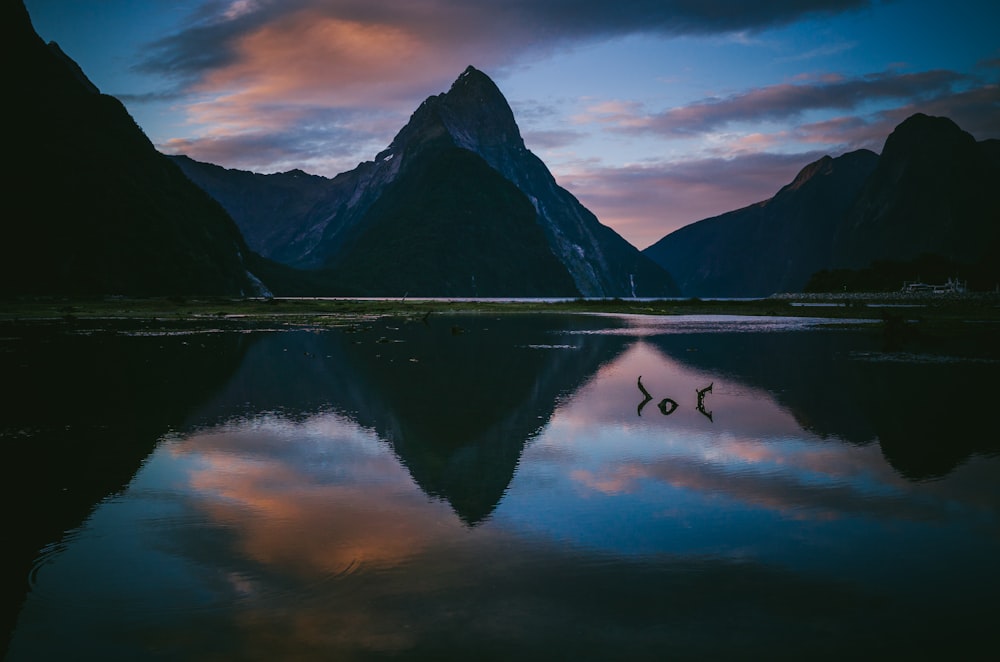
(257, 199)
(452, 227)
(771, 246)
(477, 117)
(474, 116)
(94, 208)
(932, 191)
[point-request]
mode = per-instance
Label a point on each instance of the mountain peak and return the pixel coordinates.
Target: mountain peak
(921, 133)
(476, 113)
(473, 113)
(470, 71)
(473, 79)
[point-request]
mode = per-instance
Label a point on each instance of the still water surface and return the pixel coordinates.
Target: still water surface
(475, 487)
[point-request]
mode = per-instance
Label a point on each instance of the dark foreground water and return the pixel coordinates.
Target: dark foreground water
(501, 488)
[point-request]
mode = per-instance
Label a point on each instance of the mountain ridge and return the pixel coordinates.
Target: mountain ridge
(769, 246)
(930, 191)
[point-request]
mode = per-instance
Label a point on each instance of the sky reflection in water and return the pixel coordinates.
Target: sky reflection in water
(282, 533)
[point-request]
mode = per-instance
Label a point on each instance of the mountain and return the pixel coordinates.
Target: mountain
(931, 191)
(346, 228)
(771, 246)
(93, 208)
(934, 191)
(452, 226)
(256, 200)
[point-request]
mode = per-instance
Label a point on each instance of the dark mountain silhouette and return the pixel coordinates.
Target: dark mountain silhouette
(452, 226)
(93, 207)
(932, 191)
(256, 200)
(771, 246)
(328, 231)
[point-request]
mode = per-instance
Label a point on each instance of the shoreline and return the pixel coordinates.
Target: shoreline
(983, 298)
(293, 311)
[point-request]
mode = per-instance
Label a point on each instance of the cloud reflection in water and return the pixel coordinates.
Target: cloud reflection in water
(307, 536)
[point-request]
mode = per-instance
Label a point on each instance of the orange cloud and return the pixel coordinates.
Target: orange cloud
(620, 481)
(272, 501)
(308, 58)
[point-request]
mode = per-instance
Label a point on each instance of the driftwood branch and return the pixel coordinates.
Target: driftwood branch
(701, 400)
(646, 396)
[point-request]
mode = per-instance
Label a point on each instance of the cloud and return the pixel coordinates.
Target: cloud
(975, 110)
(215, 32)
(319, 140)
(790, 494)
(348, 72)
(551, 139)
(782, 102)
(739, 169)
(679, 192)
(821, 51)
(343, 53)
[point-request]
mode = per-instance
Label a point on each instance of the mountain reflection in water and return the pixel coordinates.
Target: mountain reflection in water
(478, 487)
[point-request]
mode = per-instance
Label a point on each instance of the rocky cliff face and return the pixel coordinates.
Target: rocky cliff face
(93, 207)
(472, 116)
(932, 191)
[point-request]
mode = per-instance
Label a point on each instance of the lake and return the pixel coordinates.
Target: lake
(501, 487)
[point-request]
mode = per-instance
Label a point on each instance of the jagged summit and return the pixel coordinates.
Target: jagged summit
(473, 81)
(476, 112)
(473, 114)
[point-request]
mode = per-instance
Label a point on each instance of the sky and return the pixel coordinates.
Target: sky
(653, 113)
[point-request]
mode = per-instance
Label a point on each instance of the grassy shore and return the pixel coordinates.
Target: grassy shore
(223, 312)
